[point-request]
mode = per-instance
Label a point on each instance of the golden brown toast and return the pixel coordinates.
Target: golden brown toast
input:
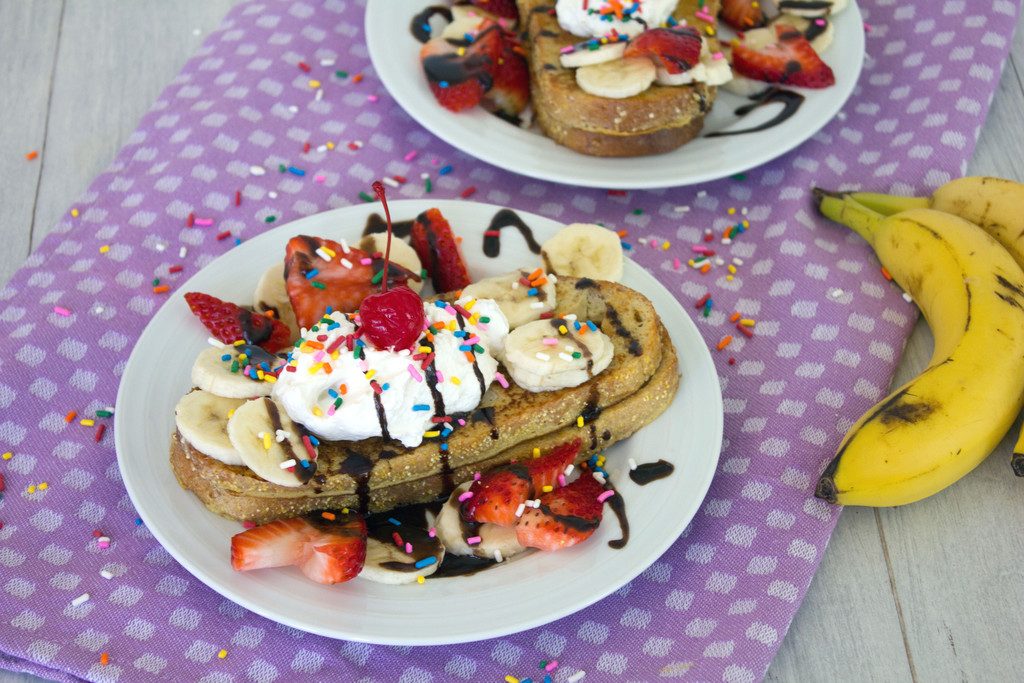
(658, 120)
(376, 475)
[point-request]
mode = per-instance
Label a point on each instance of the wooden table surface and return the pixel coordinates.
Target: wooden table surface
(933, 591)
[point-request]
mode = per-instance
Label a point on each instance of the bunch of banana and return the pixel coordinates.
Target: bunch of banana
(943, 423)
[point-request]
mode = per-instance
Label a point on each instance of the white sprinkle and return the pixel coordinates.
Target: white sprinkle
(281, 435)
(571, 317)
(537, 304)
(345, 262)
(293, 109)
(543, 356)
(390, 182)
(520, 510)
(424, 175)
(497, 555)
(326, 62)
(907, 298)
(682, 209)
(288, 463)
(216, 343)
(260, 435)
(726, 240)
(160, 246)
(569, 469)
(323, 254)
(322, 148)
(319, 94)
(515, 285)
(97, 310)
(841, 116)
(568, 348)
(719, 261)
(106, 574)
(737, 261)
(702, 193)
(835, 293)
(103, 539)
(272, 194)
(566, 357)
(600, 478)
(344, 245)
(576, 677)
(632, 464)
(80, 600)
(535, 503)
(257, 170)
(182, 252)
(743, 211)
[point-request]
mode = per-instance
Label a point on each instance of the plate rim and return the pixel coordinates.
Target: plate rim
(374, 15)
(601, 591)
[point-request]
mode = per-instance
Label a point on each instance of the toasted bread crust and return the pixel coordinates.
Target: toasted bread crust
(657, 120)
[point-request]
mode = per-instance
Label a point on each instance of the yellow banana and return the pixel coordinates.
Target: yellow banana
(996, 205)
(940, 425)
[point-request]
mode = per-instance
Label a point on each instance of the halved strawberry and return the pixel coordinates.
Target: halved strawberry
(499, 492)
(230, 322)
(790, 60)
(675, 49)
(742, 15)
(510, 93)
(566, 516)
(460, 75)
(335, 284)
(501, 8)
(329, 547)
(435, 244)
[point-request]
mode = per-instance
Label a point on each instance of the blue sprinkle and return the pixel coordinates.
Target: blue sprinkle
(425, 562)
(547, 679)
(577, 325)
(441, 304)
(332, 393)
(627, 246)
(532, 291)
(468, 37)
(265, 366)
(465, 347)
(333, 326)
(226, 356)
(445, 170)
(360, 342)
(305, 464)
(592, 326)
(425, 26)
(330, 309)
(138, 521)
(385, 386)
(394, 521)
(444, 447)
(313, 440)
(238, 240)
(421, 406)
(312, 274)
(296, 171)
(442, 84)
(459, 333)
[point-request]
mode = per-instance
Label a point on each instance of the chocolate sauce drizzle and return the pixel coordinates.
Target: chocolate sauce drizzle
(382, 417)
(420, 25)
(790, 101)
(618, 506)
(476, 366)
(376, 224)
(359, 467)
(302, 473)
(504, 219)
(613, 317)
(411, 528)
(651, 471)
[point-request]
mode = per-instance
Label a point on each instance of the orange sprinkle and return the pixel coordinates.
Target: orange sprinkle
(104, 658)
(31, 155)
(70, 416)
(539, 283)
(327, 515)
(269, 313)
(705, 268)
(886, 274)
(358, 78)
(726, 340)
(327, 368)
(734, 317)
(622, 233)
(536, 274)
(314, 345)
(160, 289)
(470, 357)
(343, 389)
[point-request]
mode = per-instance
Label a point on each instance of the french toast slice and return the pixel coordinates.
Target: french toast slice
(377, 475)
(660, 119)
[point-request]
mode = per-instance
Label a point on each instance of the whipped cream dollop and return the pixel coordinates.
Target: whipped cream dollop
(341, 397)
(597, 18)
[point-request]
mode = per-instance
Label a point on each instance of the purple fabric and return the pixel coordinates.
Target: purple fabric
(717, 605)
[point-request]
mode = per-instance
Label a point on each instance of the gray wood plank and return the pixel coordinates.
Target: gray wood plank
(114, 60)
(28, 32)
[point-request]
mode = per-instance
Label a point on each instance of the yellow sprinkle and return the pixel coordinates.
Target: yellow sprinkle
(344, 511)
(242, 357)
(579, 421)
(370, 373)
(222, 654)
(455, 380)
(431, 434)
(317, 411)
(259, 374)
(85, 422)
(746, 223)
(732, 210)
(548, 489)
(536, 452)
(314, 84)
(267, 441)
(469, 305)
(335, 354)
(74, 213)
(563, 329)
(665, 246)
(424, 349)
(238, 343)
(8, 455)
(330, 145)
(420, 580)
(316, 368)
(44, 486)
(230, 413)
(511, 679)
(747, 322)
(329, 252)
(732, 268)
(31, 488)
(452, 326)
(105, 248)
(269, 378)
(729, 278)
(710, 31)
(461, 51)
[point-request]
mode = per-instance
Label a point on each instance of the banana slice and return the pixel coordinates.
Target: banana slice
(212, 373)
(584, 55)
(514, 298)
(584, 250)
(467, 18)
(254, 430)
(272, 295)
(453, 532)
(812, 8)
(820, 35)
(541, 358)
(387, 563)
(202, 420)
(709, 70)
(401, 253)
(619, 79)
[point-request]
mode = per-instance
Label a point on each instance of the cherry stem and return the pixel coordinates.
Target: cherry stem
(378, 189)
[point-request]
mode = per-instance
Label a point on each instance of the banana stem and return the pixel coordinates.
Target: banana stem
(842, 208)
(887, 204)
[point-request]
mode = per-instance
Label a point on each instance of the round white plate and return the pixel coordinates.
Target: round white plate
(526, 592)
(395, 55)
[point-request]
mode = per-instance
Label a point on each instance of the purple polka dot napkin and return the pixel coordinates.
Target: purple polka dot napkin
(716, 606)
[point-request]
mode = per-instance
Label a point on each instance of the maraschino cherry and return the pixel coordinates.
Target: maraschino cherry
(392, 319)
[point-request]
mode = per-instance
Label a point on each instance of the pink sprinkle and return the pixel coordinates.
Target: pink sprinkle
(482, 326)
(318, 356)
(411, 155)
(700, 249)
(676, 263)
(867, 27)
(435, 161)
(372, 98)
(330, 410)
(653, 244)
(465, 495)
(248, 525)
(415, 373)
(408, 547)
(567, 49)
(605, 496)
(561, 480)
(718, 55)
(550, 341)
(103, 544)
(462, 423)
(320, 178)
(205, 222)
(501, 380)
(819, 22)
(364, 366)
(440, 377)
(432, 532)
(473, 340)
(366, 261)
(60, 310)
(476, 476)
(552, 665)
(449, 310)
(473, 540)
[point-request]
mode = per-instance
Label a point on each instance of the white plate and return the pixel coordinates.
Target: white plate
(527, 592)
(395, 55)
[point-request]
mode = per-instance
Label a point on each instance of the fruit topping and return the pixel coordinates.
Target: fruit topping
(329, 547)
(674, 49)
(229, 322)
(742, 15)
(510, 93)
(434, 242)
(565, 517)
(790, 60)
(392, 319)
(501, 8)
(322, 274)
(460, 75)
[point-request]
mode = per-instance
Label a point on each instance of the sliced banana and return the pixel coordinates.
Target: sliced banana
(584, 250)
(584, 55)
(821, 35)
(493, 538)
(387, 563)
(202, 420)
(212, 373)
(812, 8)
(401, 253)
(513, 297)
(254, 430)
(709, 70)
(541, 358)
(272, 295)
(745, 87)
(617, 80)
(467, 18)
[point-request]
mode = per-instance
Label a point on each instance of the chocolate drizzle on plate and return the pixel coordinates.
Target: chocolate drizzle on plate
(376, 224)
(790, 101)
(651, 471)
(420, 24)
(618, 506)
(411, 528)
(504, 219)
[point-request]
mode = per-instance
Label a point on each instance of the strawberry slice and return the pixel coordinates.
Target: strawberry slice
(790, 60)
(435, 244)
(501, 8)
(742, 15)
(329, 547)
(510, 93)
(565, 517)
(675, 49)
(229, 322)
(334, 285)
(498, 494)
(458, 76)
